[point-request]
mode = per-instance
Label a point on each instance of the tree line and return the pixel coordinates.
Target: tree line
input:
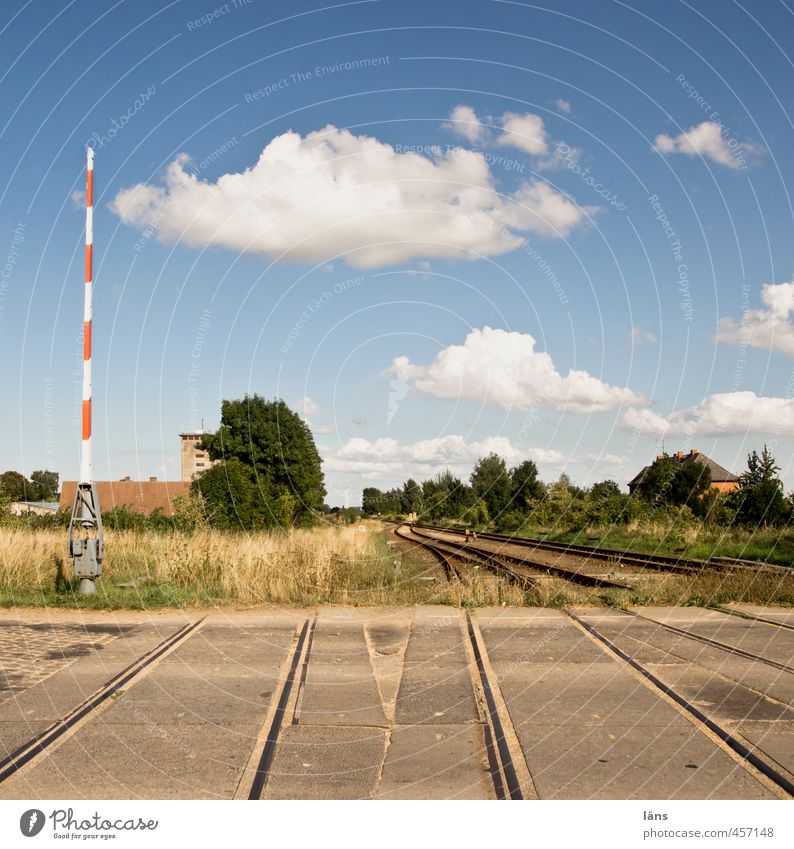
(509, 498)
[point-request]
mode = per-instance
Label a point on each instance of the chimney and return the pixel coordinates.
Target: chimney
(679, 455)
(693, 452)
(127, 478)
(152, 480)
(660, 456)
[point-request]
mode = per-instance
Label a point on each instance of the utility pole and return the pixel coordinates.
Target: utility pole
(86, 537)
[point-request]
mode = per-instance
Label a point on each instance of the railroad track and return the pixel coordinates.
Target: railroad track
(663, 562)
(42, 744)
(743, 751)
(447, 553)
(504, 563)
(506, 765)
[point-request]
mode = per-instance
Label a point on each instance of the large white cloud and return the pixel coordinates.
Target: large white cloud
(707, 140)
(330, 192)
(722, 413)
(387, 456)
(770, 327)
(501, 367)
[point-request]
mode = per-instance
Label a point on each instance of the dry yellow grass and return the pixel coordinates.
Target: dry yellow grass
(349, 565)
(326, 565)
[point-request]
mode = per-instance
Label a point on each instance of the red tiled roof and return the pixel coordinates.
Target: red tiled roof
(140, 496)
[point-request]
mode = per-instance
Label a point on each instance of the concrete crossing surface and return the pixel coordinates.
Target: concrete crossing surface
(408, 703)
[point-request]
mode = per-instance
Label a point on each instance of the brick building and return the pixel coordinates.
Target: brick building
(721, 478)
(140, 496)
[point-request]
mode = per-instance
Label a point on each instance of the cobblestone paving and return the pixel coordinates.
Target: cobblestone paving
(29, 652)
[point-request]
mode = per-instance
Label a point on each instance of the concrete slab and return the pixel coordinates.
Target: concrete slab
(764, 640)
(590, 729)
(185, 730)
(436, 635)
(339, 686)
(314, 762)
(438, 694)
(139, 761)
(436, 762)
(646, 640)
(778, 614)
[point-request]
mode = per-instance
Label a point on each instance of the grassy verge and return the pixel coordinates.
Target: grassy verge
(767, 545)
(350, 566)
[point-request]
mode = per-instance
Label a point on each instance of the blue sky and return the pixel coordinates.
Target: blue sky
(561, 233)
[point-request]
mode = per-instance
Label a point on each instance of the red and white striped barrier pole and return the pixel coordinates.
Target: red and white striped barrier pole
(86, 458)
(86, 537)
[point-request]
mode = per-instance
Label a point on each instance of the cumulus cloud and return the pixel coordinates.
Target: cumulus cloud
(463, 120)
(527, 132)
(722, 413)
(330, 192)
(522, 130)
(428, 456)
(500, 367)
(707, 140)
(770, 327)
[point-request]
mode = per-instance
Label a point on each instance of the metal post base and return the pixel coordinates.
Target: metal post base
(87, 587)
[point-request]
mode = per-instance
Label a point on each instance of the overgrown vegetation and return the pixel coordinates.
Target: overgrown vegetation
(675, 508)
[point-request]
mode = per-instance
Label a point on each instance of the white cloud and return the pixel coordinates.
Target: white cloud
(307, 407)
(388, 456)
(502, 367)
(309, 198)
(706, 140)
(640, 335)
(526, 132)
(463, 120)
(771, 327)
(722, 413)
(564, 106)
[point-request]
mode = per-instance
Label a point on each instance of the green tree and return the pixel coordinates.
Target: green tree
(276, 445)
(525, 486)
(603, 490)
(411, 497)
(16, 487)
(668, 482)
(759, 498)
(48, 483)
(371, 500)
(230, 497)
(491, 482)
